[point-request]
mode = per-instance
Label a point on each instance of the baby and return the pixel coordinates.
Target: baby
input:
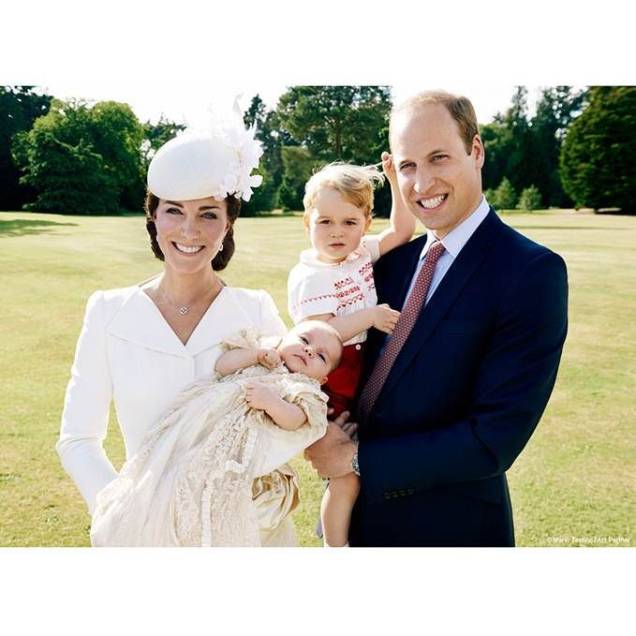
(333, 282)
(191, 482)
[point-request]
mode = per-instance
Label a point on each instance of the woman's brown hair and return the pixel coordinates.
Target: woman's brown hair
(222, 258)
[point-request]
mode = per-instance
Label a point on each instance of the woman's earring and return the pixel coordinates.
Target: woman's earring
(221, 248)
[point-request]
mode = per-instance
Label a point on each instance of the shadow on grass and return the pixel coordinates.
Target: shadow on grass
(27, 227)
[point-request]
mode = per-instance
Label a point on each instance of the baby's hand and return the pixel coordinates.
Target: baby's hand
(389, 170)
(385, 318)
(258, 396)
(269, 358)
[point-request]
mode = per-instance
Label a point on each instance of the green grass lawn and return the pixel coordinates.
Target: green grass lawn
(572, 485)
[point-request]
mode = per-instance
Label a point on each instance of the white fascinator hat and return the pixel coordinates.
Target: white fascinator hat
(216, 163)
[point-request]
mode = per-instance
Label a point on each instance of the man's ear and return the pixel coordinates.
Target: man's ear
(478, 151)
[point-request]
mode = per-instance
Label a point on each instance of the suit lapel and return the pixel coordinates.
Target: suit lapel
(457, 277)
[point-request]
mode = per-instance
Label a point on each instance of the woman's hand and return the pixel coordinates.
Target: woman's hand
(385, 318)
(269, 358)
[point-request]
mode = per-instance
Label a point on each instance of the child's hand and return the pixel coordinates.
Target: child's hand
(389, 170)
(385, 318)
(258, 396)
(269, 358)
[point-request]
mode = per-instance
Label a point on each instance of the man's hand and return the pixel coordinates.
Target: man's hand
(385, 318)
(389, 170)
(269, 358)
(331, 455)
(258, 396)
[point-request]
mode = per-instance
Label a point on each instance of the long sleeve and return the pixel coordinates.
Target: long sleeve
(86, 408)
(514, 382)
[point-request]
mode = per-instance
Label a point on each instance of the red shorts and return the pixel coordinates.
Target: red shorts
(342, 382)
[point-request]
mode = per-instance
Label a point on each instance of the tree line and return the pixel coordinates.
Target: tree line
(69, 156)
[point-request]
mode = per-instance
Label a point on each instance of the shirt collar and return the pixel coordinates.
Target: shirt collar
(455, 240)
(310, 257)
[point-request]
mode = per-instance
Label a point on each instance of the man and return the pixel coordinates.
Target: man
(451, 398)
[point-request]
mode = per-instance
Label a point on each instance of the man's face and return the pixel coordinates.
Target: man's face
(440, 182)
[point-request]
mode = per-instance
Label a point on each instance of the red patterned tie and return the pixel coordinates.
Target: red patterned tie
(401, 332)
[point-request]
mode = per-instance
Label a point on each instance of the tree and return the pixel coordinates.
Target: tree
(556, 109)
(530, 199)
(298, 166)
(338, 123)
(272, 138)
(333, 123)
(20, 106)
(155, 135)
(83, 160)
(599, 151)
(505, 197)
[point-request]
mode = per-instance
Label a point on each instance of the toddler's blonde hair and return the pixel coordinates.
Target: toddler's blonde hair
(354, 183)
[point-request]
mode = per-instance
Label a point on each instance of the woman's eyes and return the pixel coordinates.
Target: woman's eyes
(205, 215)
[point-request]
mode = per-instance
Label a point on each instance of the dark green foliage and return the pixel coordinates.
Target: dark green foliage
(504, 197)
(526, 150)
(83, 160)
(298, 166)
(338, 123)
(20, 106)
(315, 125)
(598, 158)
(155, 135)
(530, 199)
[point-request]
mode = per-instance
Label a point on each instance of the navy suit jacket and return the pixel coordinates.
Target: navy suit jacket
(464, 395)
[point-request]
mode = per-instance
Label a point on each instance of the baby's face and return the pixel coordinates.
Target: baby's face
(312, 350)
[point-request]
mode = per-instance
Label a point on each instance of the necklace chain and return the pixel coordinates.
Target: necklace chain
(182, 310)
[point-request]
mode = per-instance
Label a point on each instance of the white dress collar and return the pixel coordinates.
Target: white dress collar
(139, 320)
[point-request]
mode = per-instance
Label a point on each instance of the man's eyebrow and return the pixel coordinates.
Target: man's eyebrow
(438, 151)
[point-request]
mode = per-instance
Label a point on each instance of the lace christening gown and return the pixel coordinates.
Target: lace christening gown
(212, 472)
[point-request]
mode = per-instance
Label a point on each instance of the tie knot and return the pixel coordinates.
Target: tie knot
(435, 251)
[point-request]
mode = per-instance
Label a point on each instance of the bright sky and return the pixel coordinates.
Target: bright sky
(193, 103)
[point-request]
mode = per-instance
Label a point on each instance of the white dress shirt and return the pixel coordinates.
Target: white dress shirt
(453, 244)
(127, 353)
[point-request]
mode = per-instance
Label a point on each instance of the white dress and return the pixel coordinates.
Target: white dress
(128, 354)
(191, 482)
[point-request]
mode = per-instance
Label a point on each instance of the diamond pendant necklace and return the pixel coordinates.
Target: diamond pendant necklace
(181, 309)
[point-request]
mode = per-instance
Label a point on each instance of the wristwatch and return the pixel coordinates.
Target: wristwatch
(355, 467)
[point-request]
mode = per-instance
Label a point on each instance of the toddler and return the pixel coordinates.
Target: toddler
(333, 282)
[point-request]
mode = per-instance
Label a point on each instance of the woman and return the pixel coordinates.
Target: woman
(141, 345)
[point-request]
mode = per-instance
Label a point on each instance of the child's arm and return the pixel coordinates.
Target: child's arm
(381, 317)
(286, 415)
(402, 220)
(238, 359)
